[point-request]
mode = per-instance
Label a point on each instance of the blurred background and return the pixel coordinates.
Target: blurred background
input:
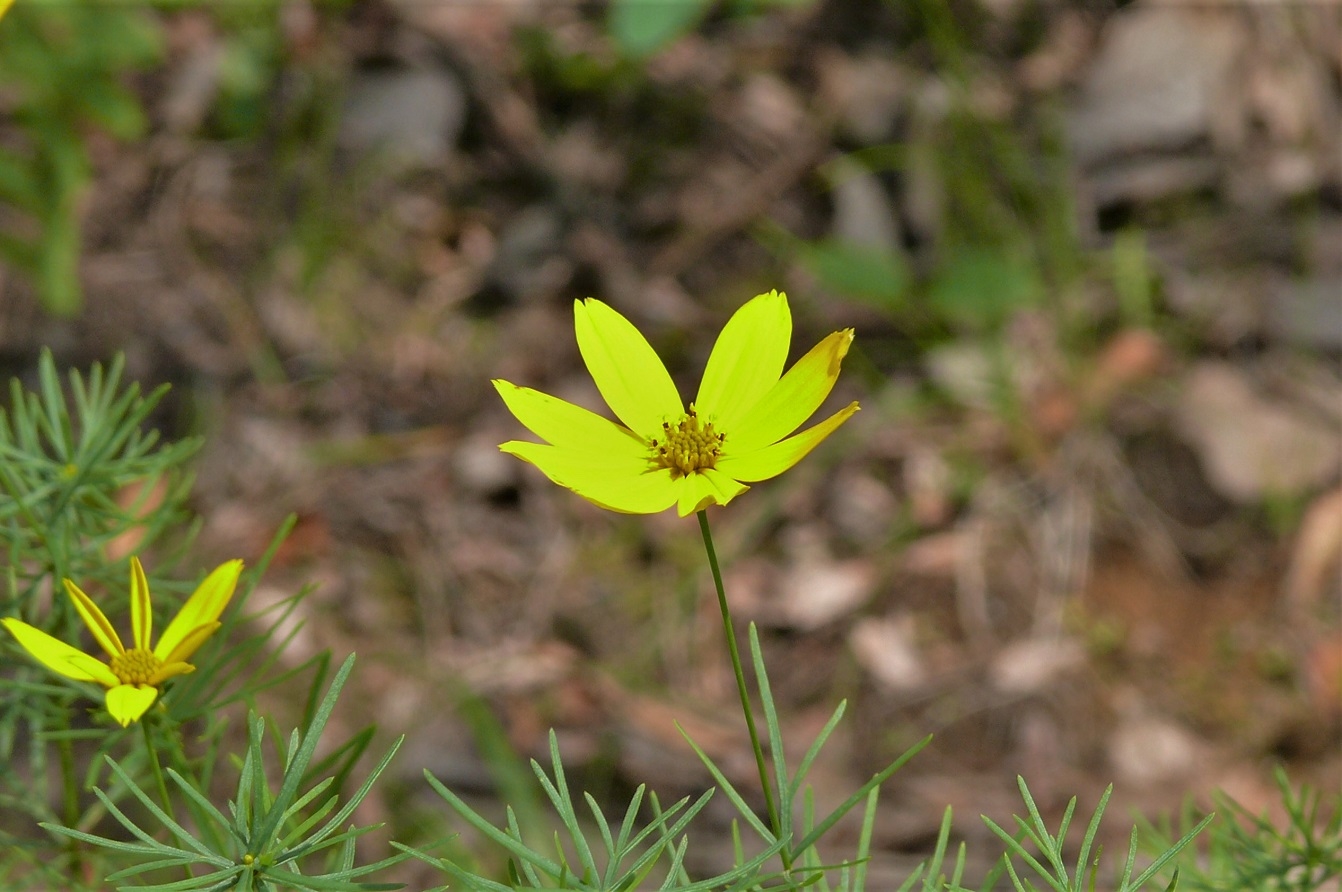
(1086, 528)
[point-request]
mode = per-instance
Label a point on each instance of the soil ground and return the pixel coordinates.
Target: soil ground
(1075, 541)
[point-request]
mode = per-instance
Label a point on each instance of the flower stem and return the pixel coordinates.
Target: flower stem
(177, 761)
(66, 752)
(155, 767)
(67, 758)
(157, 770)
(740, 673)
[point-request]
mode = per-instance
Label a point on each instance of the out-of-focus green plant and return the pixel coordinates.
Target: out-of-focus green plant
(249, 104)
(63, 68)
(62, 65)
(642, 27)
(1045, 858)
(1248, 851)
(1007, 239)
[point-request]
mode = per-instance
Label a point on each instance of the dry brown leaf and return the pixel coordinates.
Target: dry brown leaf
(884, 646)
(1316, 559)
(1323, 676)
(133, 497)
(1251, 446)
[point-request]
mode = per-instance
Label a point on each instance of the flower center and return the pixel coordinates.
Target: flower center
(136, 666)
(687, 446)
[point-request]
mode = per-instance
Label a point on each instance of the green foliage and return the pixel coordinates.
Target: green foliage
(64, 64)
(241, 659)
(980, 288)
(642, 27)
(247, 70)
(252, 55)
(80, 477)
(79, 472)
(65, 67)
(267, 836)
(1248, 851)
(1133, 278)
(622, 861)
(1006, 237)
(796, 845)
(1045, 857)
(878, 276)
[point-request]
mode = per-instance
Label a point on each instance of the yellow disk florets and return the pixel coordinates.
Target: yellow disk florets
(136, 667)
(687, 446)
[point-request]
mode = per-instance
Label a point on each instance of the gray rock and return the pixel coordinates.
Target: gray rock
(1030, 665)
(886, 647)
(412, 115)
(1156, 84)
(819, 591)
(1147, 749)
(1152, 178)
(1252, 446)
(529, 260)
(1308, 312)
(863, 215)
(865, 92)
(192, 89)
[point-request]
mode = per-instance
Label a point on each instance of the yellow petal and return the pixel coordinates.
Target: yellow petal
(141, 613)
(792, 400)
(626, 370)
(624, 486)
(578, 465)
(563, 424)
(58, 656)
(174, 669)
(189, 645)
(94, 618)
(704, 488)
(747, 359)
(127, 702)
(774, 460)
(201, 609)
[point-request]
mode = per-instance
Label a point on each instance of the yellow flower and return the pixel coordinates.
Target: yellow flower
(4, 7)
(666, 454)
(133, 677)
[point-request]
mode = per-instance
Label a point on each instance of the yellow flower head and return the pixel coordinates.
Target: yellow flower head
(666, 454)
(133, 677)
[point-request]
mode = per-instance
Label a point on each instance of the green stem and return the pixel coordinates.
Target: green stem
(155, 767)
(67, 759)
(740, 674)
(178, 762)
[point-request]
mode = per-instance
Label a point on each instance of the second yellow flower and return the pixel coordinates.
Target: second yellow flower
(133, 677)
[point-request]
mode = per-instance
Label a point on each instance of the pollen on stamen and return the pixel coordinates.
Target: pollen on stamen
(687, 446)
(136, 666)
